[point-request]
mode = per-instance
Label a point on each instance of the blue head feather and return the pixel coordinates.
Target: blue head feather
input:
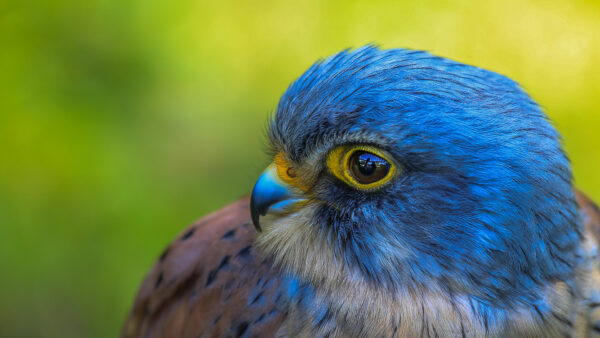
(484, 204)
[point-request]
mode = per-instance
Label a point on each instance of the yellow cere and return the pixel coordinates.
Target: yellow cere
(288, 173)
(338, 162)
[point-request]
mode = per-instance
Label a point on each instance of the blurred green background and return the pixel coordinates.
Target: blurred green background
(123, 121)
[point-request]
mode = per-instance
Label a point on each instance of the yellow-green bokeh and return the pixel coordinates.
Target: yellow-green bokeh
(123, 121)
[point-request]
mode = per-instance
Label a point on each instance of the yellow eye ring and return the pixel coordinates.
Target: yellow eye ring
(343, 162)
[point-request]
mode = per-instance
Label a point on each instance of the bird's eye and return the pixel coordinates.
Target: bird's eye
(361, 166)
(368, 168)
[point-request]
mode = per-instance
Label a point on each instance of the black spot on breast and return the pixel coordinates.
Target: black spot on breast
(229, 234)
(245, 251)
(188, 234)
(211, 277)
(241, 329)
(260, 318)
(216, 320)
(213, 273)
(224, 262)
(278, 297)
(257, 297)
(159, 280)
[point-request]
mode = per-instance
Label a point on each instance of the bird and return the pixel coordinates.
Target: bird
(408, 195)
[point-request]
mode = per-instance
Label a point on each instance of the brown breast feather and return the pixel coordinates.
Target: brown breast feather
(209, 282)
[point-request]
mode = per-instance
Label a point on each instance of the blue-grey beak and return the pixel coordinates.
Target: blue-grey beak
(270, 194)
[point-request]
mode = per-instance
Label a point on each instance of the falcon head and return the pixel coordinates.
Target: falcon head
(404, 170)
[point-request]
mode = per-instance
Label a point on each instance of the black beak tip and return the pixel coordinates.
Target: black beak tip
(255, 215)
(256, 223)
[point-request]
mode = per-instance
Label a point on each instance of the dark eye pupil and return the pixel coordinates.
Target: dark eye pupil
(367, 167)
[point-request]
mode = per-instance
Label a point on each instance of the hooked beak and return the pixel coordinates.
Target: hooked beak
(270, 195)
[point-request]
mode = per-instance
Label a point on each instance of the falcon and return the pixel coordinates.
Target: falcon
(409, 195)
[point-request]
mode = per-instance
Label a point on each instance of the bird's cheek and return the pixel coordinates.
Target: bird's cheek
(288, 238)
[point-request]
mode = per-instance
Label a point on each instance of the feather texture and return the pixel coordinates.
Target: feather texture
(190, 292)
(209, 282)
(478, 233)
